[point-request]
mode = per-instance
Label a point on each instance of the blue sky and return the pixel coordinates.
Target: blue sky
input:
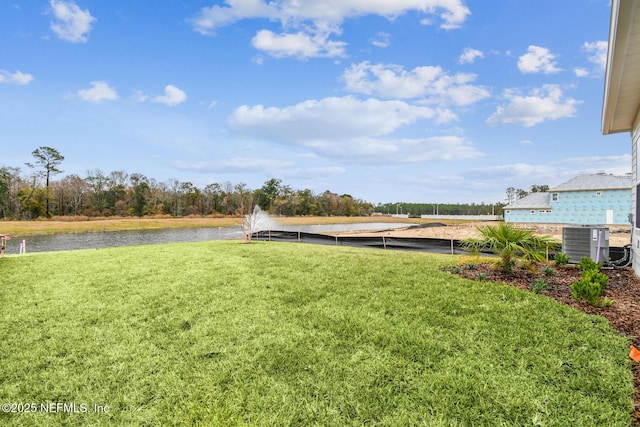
(386, 100)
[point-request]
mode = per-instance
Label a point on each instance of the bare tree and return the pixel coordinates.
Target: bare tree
(76, 189)
(98, 183)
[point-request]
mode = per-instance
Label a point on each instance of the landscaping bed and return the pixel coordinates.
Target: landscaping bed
(623, 288)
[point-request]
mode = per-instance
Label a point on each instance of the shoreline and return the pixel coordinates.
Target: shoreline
(451, 229)
(100, 224)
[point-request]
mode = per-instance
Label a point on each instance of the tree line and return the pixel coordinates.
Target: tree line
(98, 194)
(417, 209)
(35, 193)
(514, 194)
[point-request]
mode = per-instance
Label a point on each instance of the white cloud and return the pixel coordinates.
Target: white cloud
(345, 117)
(172, 96)
(598, 160)
(580, 72)
(433, 83)
(470, 55)
(300, 44)
(453, 13)
(598, 53)
(516, 171)
(396, 150)
(317, 172)
(100, 91)
(139, 96)
(216, 16)
(545, 103)
(274, 167)
(523, 169)
(381, 40)
(17, 78)
(71, 23)
(237, 164)
(538, 60)
(615, 164)
(351, 129)
(311, 18)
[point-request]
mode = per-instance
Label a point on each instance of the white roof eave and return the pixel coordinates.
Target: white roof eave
(622, 81)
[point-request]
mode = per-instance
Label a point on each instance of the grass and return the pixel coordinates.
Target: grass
(225, 333)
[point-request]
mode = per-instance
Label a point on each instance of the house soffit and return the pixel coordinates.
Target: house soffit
(622, 80)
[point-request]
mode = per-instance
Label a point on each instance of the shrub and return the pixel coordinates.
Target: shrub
(587, 289)
(529, 266)
(561, 259)
(510, 244)
(539, 285)
(548, 271)
(592, 284)
(587, 264)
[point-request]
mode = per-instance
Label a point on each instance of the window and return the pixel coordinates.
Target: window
(598, 193)
(532, 211)
(554, 197)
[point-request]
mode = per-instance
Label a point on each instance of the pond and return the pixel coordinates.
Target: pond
(96, 240)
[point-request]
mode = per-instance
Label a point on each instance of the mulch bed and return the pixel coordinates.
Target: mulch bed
(623, 288)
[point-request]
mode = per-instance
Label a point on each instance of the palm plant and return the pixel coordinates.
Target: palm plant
(510, 243)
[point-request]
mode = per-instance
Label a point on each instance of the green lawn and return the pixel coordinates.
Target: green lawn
(225, 333)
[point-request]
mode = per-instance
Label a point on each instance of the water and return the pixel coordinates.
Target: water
(258, 221)
(96, 240)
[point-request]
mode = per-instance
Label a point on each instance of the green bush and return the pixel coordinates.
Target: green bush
(561, 259)
(548, 271)
(592, 284)
(587, 264)
(539, 285)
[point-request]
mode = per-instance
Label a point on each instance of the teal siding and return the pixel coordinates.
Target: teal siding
(578, 207)
(529, 216)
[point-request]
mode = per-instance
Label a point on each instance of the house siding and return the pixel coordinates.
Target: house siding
(532, 215)
(577, 207)
(635, 240)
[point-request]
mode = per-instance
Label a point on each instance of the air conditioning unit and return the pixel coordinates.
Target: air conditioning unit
(591, 241)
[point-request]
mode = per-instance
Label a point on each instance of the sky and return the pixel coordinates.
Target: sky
(445, 101)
